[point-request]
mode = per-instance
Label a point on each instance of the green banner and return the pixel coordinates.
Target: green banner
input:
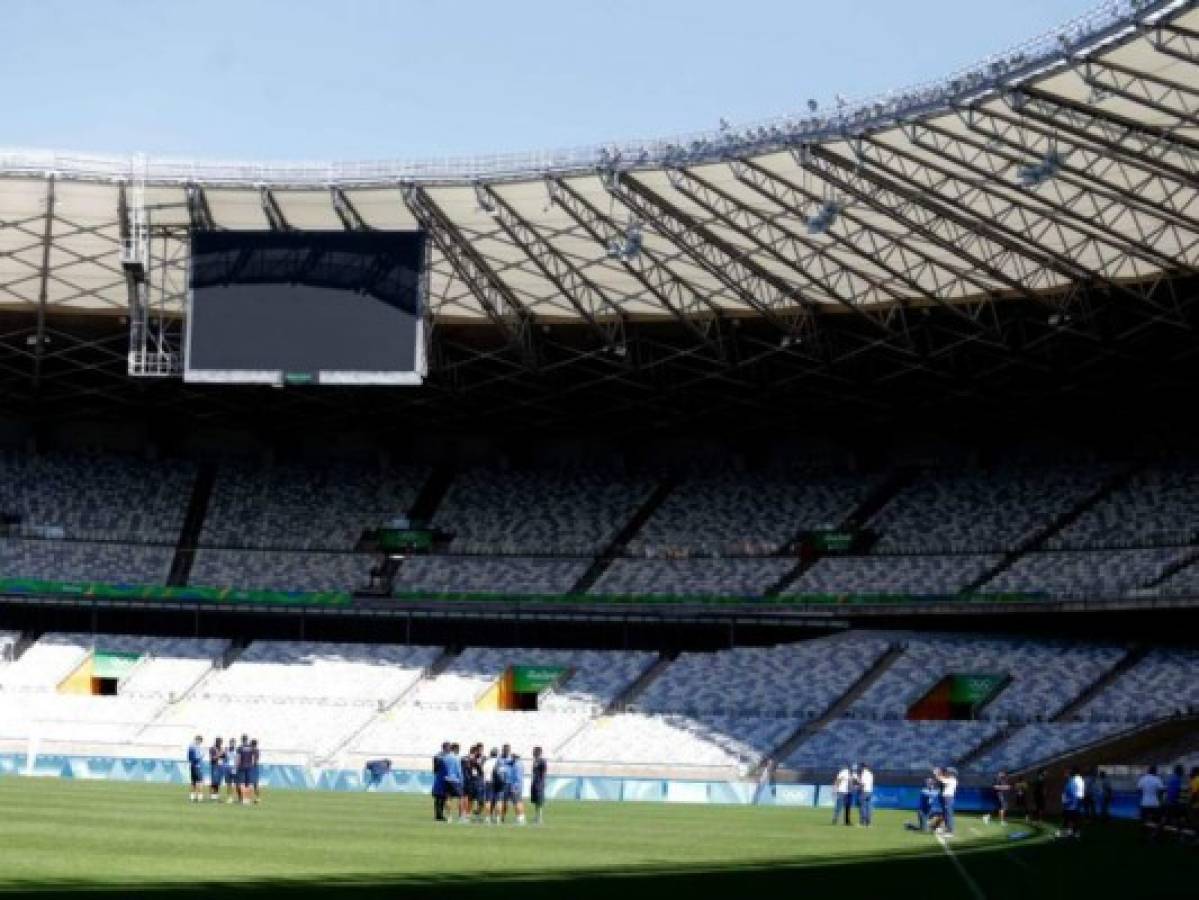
(535, 679)
(716, 599)
(161, 592)
(106, 664)
(974, 688)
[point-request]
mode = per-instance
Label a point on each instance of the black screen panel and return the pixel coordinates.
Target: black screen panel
(327, 307)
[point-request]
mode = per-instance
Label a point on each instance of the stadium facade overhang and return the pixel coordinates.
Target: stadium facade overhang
(1023, 222)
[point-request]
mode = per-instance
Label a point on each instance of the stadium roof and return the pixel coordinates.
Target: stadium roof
(1057, 177)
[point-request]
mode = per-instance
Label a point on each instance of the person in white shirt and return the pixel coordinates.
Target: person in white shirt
(948, 779)
(1151, 787)
(841, 787)
(865, 796)
(1073, 794)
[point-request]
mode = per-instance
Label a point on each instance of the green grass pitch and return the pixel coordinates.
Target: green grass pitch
(134, 840)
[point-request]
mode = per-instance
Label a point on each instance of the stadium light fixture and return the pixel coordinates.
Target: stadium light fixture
(1036, 174)
(629, 247)
(485, 203)
(824, 218)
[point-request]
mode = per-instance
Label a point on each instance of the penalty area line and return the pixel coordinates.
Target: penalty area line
(975, 891)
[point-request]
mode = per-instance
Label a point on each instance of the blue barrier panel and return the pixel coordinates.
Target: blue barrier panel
(170, 771)
(731, 792)
(684, 792)
(891, 797)
(794, 795)
(639, 789)
(562, 788)
(600, 789)
(11, 763)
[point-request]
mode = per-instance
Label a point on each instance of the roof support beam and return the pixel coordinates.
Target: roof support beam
(1099, 158)
(350, 219)
(778, 302)
(1097, 112)
(1161, 95)
(1176, 41)
(1153, 151)
(875, 244)
(598, 310)
(1103, 217)
(844, 283)
(696, 313)
(270, 208)
(1008, 219)
(931, 220)
(198, 213)
(43, 294)
(494, 296)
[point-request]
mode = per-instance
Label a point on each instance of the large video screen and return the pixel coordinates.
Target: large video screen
(305, 307)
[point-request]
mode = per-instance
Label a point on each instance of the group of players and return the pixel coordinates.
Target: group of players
(483, 785)
(234, 765)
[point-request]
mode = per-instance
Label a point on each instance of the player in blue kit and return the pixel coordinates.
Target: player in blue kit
(216, 768)
(245, 769)
(254, 760)
(195, 764)
(514, 790)
(231, 770)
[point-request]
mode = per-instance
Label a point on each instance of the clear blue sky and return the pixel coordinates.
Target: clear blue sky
(368, 79)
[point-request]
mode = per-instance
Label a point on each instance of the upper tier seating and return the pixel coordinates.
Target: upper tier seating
(482, 574)
(97, 496)
(83, 561)
(321, 672)
(748, 513)
(597, 677)
(890, 746)
(982, 510)
(1041, 741)
(1046, 675)
(798, 681)
(569, 511)
(893, 574)
(749, 577)
(1096, 573)
(1162, 684)
(673, 741)
(281, 570)
(1158, 506)
(305, 507)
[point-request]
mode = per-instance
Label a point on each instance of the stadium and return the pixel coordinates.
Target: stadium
(836, 468)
